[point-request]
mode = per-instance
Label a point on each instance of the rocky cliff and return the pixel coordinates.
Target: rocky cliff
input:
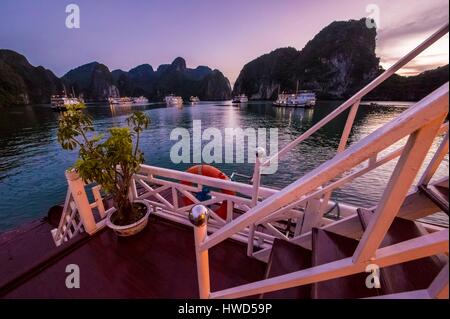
(410, 88)
(93, 82)
(174, 78)
(335, 63)
(22, 83)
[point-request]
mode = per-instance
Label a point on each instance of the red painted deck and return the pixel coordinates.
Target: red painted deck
(157, 263)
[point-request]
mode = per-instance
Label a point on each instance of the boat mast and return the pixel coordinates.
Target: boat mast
(296, 89)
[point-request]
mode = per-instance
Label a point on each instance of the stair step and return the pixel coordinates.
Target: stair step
(285, 258)
(438, 195)
(413, 275)
(328, 247)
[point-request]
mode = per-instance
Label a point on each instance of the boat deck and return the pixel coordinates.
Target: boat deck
(157, 263)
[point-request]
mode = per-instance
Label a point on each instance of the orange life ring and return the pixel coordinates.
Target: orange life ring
(210, 171)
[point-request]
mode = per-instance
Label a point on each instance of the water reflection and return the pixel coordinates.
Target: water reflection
(32, 163)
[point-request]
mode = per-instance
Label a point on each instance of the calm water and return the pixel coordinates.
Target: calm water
(32, 163)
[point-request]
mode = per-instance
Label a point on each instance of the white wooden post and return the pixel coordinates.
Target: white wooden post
(342, 144)
(99, 201)
(199, 218)
(229, 211)
(312, 216)
(435, 162)
(251, 239)
(348, 126)
(256, 183)
(175, 198)
(402, 178)
(76, 186)
(257, 176)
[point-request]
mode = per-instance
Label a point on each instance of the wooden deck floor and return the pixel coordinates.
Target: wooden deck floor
(157, 263)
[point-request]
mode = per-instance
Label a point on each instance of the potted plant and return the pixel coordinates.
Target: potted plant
(111, 162)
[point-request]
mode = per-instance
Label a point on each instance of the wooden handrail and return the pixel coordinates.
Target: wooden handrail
(416, 149)
(344, 180)
(238, 187)
(433, 106)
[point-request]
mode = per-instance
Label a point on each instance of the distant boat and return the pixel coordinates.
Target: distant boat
(240, 99)
(140, 100)
(194, 99)
(120, 100)
(173, 100)
(125, 101)
(62, 102)
(300, 99)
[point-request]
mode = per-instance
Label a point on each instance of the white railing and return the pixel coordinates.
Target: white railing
(366, 149)
(422, 123)
(410, 122)
(302, 201)
(352, 103)
(77, 214)
(165, 189)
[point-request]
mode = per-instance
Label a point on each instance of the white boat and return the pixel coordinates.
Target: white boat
(120, 100)
(281, 99)
(242, 98)
(173, 100)
(140, 100)
(194, 99)
(61, 102)
(300, 99)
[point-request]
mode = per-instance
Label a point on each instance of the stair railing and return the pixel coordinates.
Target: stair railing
(421, 123)
(352, 103)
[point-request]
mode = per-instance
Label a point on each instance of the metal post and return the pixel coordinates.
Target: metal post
(260, 153)
(199, 218)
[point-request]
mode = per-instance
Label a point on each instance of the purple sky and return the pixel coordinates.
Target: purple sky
(218, 33)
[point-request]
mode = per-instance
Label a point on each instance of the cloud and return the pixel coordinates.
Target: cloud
(397, 40)
(424, 22)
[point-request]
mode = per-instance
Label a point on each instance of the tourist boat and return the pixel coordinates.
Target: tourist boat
(247, 239)
(141, 100)
(126, 101)
(302, 98)
(172, 100)
(194, 99)
(62, 102)
(242, 98)
(299, 99)
(120, 100)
